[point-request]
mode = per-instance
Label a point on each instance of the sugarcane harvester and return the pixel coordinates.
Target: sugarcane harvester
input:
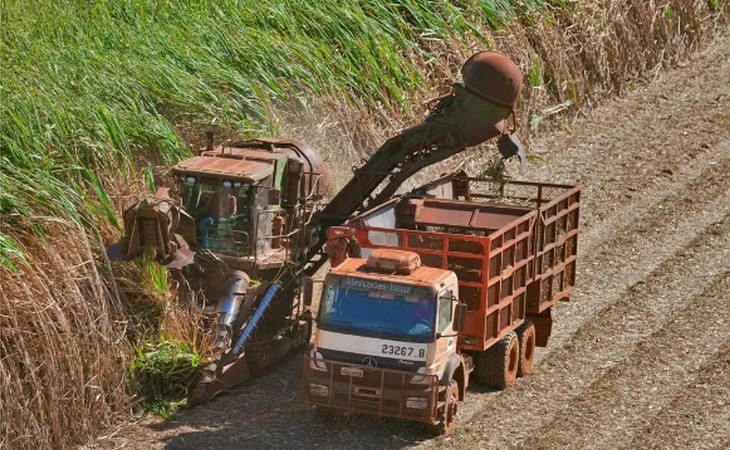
(248, 224)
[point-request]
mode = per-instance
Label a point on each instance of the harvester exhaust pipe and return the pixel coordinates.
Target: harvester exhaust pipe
(230, 302)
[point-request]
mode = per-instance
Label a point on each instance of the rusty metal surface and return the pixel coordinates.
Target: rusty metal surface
(152, 223)
(553, 272)
(251, 170)
(423, 276)
(461, 214)
(316, 177)
(556, 252)
(255, 160)
(494, 77)
(212, 385)
(556, 233)
(389, 260)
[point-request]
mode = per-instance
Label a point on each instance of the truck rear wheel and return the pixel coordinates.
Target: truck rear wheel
(526, 336)
(498, 365)
(447, 417)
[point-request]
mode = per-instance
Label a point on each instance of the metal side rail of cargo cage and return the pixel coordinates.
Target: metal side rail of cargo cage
(371, 390)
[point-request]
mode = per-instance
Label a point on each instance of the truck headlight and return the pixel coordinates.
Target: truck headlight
(417, 403)
(317, 362)
(419, 378)
(319, 389)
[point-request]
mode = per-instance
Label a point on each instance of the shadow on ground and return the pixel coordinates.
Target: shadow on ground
(268, 413)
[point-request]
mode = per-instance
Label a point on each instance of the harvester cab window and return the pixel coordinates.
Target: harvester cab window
(264, 214)
(222, 212)
(243, 217)
(446, 310)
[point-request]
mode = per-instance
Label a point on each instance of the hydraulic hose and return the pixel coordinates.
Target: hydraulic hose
(256, 317)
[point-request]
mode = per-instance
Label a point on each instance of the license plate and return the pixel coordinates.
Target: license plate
(351, 371)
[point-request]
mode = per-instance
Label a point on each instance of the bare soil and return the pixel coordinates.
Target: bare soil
(640, 357)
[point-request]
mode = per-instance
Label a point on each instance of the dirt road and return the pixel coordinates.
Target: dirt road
(640, 358)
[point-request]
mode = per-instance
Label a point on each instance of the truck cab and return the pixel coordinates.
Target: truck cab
(386, 340)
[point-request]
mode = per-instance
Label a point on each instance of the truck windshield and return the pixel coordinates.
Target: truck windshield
(399, 312)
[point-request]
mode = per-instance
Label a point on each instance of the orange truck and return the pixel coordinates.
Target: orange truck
(457, 278)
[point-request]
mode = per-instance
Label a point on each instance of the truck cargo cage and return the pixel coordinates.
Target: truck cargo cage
(556, 233)
(512, 245)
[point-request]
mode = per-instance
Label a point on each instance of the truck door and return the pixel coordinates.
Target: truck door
(446, 343)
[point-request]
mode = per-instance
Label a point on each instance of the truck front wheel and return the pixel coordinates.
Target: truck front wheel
(447, 416)
(497, 366)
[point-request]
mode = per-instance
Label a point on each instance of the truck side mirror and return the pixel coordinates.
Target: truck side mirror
(308, 291)
(460, 318)
(274, 196)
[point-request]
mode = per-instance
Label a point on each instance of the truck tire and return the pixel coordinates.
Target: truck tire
(447, 417)
(497, 366)
(527, 338)
(302, 333)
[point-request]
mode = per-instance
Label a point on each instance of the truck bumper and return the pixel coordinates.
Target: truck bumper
(379, 392)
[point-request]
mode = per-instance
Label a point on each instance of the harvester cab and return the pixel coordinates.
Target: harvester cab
(248, 203)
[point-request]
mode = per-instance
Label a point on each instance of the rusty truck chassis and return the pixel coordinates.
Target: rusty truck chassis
(372, 390)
